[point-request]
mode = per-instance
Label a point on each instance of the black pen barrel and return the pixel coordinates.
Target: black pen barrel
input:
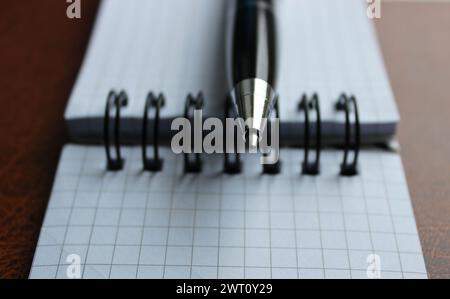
(254, 40)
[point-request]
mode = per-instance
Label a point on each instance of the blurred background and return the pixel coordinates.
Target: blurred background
(41, 51)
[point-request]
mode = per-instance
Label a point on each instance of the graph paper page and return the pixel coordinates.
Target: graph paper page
(132, 224)
(178, 47)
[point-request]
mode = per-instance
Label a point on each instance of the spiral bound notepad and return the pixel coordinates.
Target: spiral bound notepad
(144, 212)
(178, 47)
(135, 224)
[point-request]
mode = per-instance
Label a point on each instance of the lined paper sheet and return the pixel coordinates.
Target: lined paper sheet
(179, 47)
(132, 224)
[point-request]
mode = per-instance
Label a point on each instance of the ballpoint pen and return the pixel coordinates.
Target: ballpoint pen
(253, 64)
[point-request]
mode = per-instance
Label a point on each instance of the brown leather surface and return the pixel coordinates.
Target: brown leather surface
(416, 46)
(40, 55)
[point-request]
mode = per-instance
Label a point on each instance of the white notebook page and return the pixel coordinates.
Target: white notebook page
(131, 224)
(178, 47)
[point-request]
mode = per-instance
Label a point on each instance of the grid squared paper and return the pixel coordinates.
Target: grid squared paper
(179, 47)
(134, 224)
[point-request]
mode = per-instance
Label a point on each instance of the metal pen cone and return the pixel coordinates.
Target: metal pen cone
(254, 100)
(252, 138)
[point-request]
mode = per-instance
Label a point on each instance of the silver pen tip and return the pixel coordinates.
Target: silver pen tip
(252, 138)
(254, 100)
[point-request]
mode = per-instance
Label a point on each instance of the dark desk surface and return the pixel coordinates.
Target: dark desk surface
(41, 52)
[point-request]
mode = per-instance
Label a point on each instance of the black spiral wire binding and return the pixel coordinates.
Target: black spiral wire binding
(273, 169)
(231, 167)
(345, 104)
(311, 168)
(193, 166)
(156, 163)
(116, 101)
